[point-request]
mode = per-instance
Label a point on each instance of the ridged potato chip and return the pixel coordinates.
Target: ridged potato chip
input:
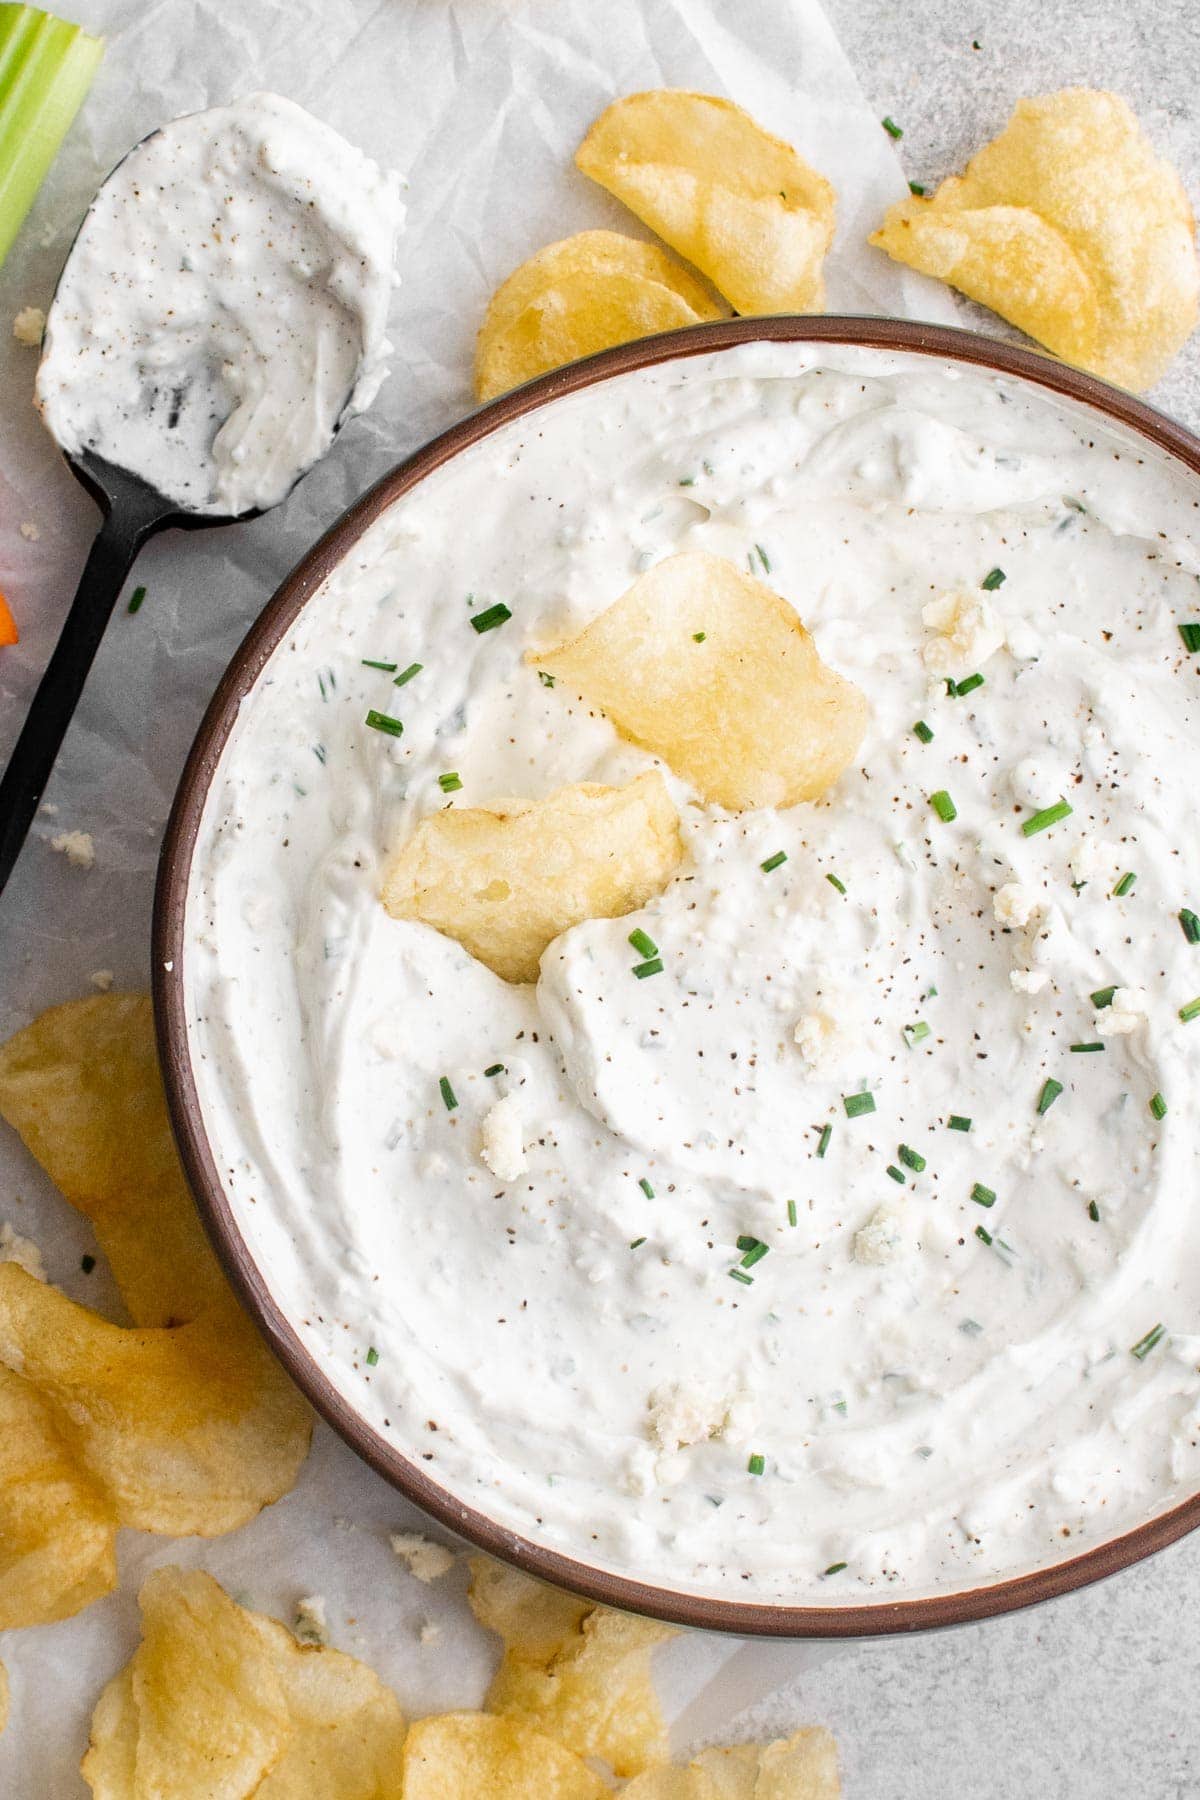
(741, 205)
(1069, 226)
(465, 1756)
(222, 1702)
(801, 1767)
(191, 1429)
(713, 671)
(81, 1086)
(505, 880)
(57, 1527)
(580, 1675)
(580, 295)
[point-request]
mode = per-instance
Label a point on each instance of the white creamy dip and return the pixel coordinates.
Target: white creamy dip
(224, 306)
(549, 1306)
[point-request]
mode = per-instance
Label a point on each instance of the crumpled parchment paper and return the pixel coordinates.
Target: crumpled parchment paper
(481, 103)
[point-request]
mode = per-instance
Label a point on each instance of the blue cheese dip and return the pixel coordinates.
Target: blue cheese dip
(865, 1233)
(224, 306)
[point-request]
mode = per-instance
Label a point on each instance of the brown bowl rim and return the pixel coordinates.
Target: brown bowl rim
(677, 1606)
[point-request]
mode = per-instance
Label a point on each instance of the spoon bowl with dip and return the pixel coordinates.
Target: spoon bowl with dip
(221, 314)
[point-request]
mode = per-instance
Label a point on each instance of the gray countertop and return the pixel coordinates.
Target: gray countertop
(1093, 1695)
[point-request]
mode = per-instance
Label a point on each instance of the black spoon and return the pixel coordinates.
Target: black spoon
(132, 512)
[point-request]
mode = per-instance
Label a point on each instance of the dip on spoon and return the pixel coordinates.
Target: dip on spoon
(221, 313)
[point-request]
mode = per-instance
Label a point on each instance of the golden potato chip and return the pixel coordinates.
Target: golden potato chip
(221, 1702)
(596, 1694)
(505, 880)
(193, 1429)
(57, 1530)
(465, 1756)
(534, 1619)
(583, 294)
(741, 205)
(801, 1767)
(1069, 226)
(670, 1784)
(712, 670)
(81, 1086)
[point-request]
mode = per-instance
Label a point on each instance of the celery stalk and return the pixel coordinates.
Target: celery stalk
(46, 68)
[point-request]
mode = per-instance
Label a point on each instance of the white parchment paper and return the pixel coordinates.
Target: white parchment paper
(481, 104)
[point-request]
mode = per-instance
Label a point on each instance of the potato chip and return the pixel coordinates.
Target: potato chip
(713, 671)
(741, 205)
(465, 1756)
(57, 1530)
(505, 880)
(1069, 226)
(583, 294)
(595, 1694)
(534, 1619)
(670, 1784)
(81, 1086)
(222, 1702)
(801, 1767)
(193, 1429)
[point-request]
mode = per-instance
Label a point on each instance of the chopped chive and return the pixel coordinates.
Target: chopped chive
(369, 662)
(917, 1033)
(764, 559)
(1051, 1089)
(491, 616)
(823, 1140)
(687, 481)
(917, 187)
(450, 782)
(956, 1122)
(836, 1568)
(943, 806)
(984, 1236)
(834, 882)
(1190, 1011)
(698, 637)
(1103, 997)
(746, 1242)
(87, 1264)
(983, 1196)
(381, 721)
(1049, 815)
(755, 1254)
(890, 126)
(791, 1212)
(449, 1097)
(406, 675)
(921, 730)
(857, 1105)
(773, 862)
(1190, 633)
(756, 1464)
(546, 679)
(1158, 1106)
(1085, 1049)
(970, 684)
(897, 1174)
(1124, 886)
(740, 1275)
(1145, 1345)
(646, 1188)
(643, 943)
(637, 1243)
(993, 579)
(951, 688)
(1189, 924)
(136, 598)
(495, 1069)
(912, 1159)
(372, 1357)
(652, 966)
(1093, 1212)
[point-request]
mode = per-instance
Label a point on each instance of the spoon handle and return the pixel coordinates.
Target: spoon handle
(112, 556)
